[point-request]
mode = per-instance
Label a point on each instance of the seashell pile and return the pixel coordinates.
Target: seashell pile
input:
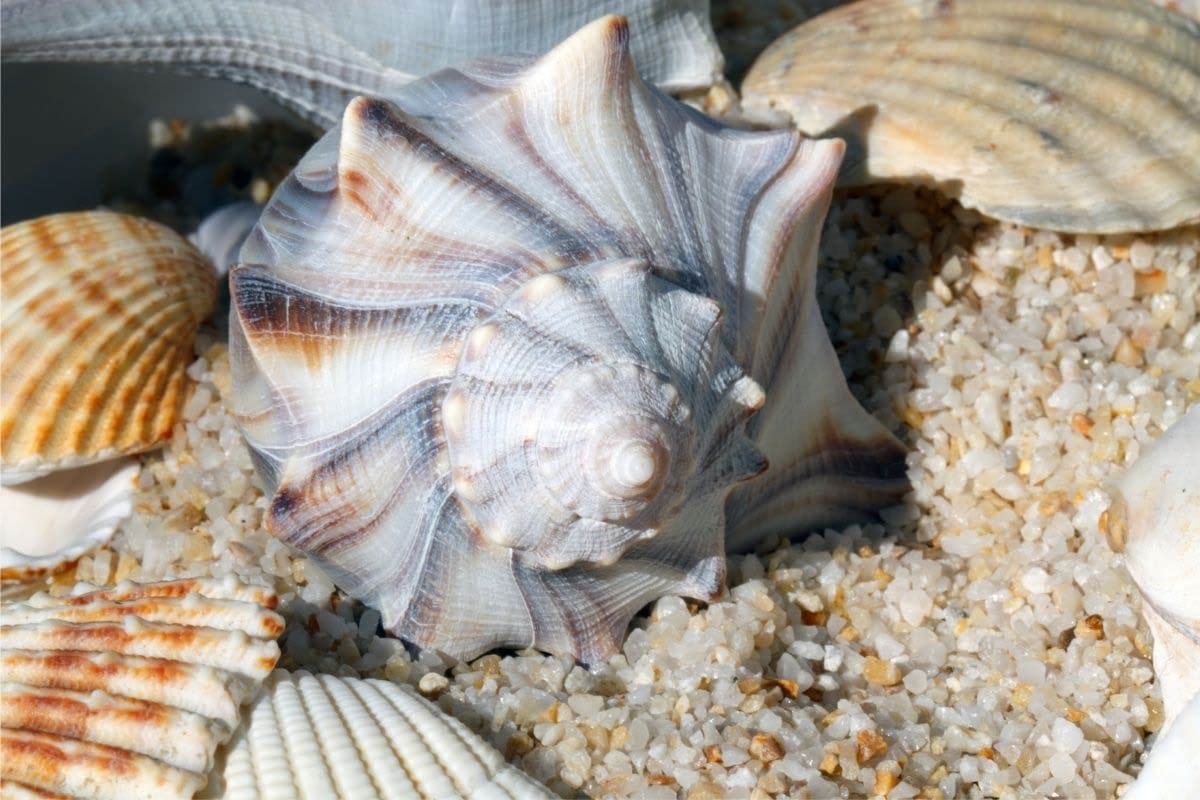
(525, 344)
(126, 692)
(311, 736)
(554, 356)
(97, 318)
(314, 58)
(1018, 109)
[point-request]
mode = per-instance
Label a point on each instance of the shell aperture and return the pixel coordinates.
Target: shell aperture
(500, 338)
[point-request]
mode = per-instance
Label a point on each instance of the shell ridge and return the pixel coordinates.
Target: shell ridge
(366, 117)
(1095, 113)
(1079, 154)
(338, 745)
(383, 764)
(429, 731)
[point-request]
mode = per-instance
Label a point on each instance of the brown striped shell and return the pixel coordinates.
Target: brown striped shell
(97, 317)
(1075, 116)
(534, 332)
(127, 692)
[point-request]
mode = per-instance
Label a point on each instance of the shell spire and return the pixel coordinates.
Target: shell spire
(502, 337)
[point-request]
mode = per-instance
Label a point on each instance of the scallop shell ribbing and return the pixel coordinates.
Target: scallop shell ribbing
(127, 692)
(97, 316)
(1060, 114)
(503, 338)
(311, 736)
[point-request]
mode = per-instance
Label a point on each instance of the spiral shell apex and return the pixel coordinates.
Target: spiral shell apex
(496, 344)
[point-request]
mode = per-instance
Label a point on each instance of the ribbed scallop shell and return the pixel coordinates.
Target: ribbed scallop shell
(495, 347)
(315, 56)
(51, 521)
(127, 692)
(1076, 115)
(97, 317)
(1155, 520)
(323, 736)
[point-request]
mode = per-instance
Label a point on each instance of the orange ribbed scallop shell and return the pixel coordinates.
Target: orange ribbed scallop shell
(97, 319)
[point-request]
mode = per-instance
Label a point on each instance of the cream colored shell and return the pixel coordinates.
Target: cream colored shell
(97, 318)
(1051, 113)
(324, 736)
(51, 521)
(126, 692)
(1154, 520)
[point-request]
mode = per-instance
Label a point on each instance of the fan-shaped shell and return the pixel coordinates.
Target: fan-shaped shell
(314, 56)
(127, 692)
(97, 317)
(1155, 520)
(502, 338)
(326, 736)
(1051, 113)
(51, 521)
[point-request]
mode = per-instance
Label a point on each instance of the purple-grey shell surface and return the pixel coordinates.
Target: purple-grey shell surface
(512, 350)
(314, 56)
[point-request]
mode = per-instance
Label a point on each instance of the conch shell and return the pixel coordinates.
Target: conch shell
(127, 692)
(329, 736)
(1154, 520)
(497, 346)
(315, 56)
(1047, 113)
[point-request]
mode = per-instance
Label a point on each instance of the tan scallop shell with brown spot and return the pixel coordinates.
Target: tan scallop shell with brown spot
(496, 344)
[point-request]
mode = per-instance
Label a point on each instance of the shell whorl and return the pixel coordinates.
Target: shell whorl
(503, 336)
(581, 413)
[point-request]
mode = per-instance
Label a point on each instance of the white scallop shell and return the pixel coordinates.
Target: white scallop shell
(314, 56)
(51, 521)
(1155, 520)
(502, 339)
(323, 736)
(126, 692)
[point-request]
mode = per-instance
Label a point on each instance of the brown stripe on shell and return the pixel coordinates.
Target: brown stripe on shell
(379, 119)
(293, 514)
(74, 767)
(192, 610)
(836, 479)
(214, 693)
(233, 652)
(175, 737)
(226, 588)
(99, 312)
